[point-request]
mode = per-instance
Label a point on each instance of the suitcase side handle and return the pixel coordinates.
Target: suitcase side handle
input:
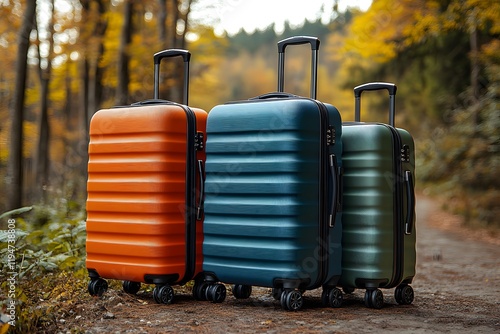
(410, 194)
(199, 207)
(335, 179)
(186, 56)
(375, 86)
(297, 40)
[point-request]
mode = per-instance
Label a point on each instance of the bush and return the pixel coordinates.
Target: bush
(46, 261)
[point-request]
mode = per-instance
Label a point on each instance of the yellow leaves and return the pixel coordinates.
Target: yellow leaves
(371, 33)
(491, 52)
(391, 25)
(30, 138)
(473, 14)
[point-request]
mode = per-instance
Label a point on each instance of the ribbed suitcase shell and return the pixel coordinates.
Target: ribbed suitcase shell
(263, 202)
(137, 207)
(376, 250)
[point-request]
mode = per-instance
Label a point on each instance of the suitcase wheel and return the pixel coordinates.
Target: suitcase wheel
(374, 298)
(404, 294)
(97, 287)
(332, 297)
(199, 290)
(216, 293)
(277, 293)
(291, 300)
(163, 294)
(242, 291)
(131, 287)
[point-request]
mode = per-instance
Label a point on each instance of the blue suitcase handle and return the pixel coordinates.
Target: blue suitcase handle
(186, 56)
(375, 86)
(297, 40)
(274, 95)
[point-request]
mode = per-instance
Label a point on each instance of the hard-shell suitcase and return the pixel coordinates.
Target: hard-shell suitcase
(271, 195)
(378, 218)
(145, 192)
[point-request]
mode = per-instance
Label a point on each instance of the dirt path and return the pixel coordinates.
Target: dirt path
(457, 290)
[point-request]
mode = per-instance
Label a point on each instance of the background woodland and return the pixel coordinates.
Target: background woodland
(62, 60)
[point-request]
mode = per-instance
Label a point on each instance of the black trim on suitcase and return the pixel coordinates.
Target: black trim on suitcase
(191, 208)
(398, 210)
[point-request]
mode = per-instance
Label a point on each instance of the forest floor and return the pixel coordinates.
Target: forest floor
(457, 290)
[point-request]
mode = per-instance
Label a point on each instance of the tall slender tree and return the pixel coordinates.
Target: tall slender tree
(92, 38)
(122, 92)
(41, 165)
(15, 166)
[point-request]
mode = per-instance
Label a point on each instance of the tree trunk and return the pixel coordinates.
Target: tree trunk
(15, 166)
(182, 45)
(94, 25)
(162, 21)
(173, 9)
(123, 54)
(41, 164)
(95, 89)
(185, 18)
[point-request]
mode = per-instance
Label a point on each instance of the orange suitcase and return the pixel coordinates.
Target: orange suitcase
(145, 193)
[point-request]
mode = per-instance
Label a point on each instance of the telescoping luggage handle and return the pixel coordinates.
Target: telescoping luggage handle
(376, 86)
(408, 177)
(186, 56)
(297, 40)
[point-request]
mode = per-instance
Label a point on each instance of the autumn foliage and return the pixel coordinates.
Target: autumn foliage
(89, 54)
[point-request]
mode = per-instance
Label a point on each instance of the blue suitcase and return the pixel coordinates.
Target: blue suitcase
(272, 211)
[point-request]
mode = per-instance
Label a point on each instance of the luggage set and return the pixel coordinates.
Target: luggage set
(289, 197)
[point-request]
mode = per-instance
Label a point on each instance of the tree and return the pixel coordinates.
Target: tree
(15, 166)
(92, 30)
(44, 73)
(123, 53)
(173, 25)
(92, 34)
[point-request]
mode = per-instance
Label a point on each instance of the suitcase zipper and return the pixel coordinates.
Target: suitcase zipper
(325, 219)
(193, 144)
(399, 231)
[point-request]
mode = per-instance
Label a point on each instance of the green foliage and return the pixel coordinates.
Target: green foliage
(49, 261)
(464, 158)
(444, 57)
(15, 212)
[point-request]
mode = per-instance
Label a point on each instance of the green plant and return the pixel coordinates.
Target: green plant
(44, 260)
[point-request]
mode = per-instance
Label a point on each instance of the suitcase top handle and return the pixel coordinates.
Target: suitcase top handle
(375, 86)
(297, 40)
(186, 56)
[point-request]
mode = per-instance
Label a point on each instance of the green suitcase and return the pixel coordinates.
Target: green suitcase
(378, 238)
